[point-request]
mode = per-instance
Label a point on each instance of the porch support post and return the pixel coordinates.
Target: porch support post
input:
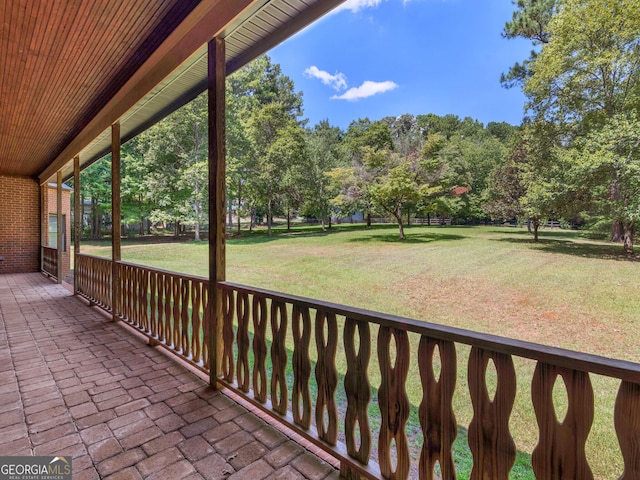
(115, 218)
(60, 226)
(44, 222)
(77, 218)
(217, 199)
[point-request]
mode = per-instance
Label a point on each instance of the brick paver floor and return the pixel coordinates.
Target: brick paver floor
(72, 382)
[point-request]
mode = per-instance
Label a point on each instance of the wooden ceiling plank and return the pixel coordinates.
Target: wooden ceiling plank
(16, 68)
(206, 20)
(53, 43)
(140, 20)
(31, 70)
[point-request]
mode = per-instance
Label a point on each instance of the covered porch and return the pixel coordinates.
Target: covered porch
(75, 383)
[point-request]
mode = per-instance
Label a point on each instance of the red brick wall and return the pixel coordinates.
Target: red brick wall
(50, 206)
(19, 224)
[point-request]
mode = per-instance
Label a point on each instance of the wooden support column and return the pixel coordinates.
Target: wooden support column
(77, 218)
(217, 198)
(115, 218)
(44, 222)
(60, 226)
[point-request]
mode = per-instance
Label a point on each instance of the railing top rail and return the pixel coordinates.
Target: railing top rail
(165, 272)
(45, 247)
(622, 369)
(150, 269)
(96, 257)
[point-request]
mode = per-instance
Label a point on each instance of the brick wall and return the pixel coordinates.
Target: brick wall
(19, 224)
(50, 206)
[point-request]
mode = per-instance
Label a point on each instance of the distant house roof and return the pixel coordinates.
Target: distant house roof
(457, 191)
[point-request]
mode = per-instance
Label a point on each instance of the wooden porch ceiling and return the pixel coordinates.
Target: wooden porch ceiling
(70, 69)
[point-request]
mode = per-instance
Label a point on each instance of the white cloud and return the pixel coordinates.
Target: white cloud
(338, 81)
(357, 5)
(367, 89)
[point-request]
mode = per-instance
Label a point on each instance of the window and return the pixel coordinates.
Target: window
(53, 232)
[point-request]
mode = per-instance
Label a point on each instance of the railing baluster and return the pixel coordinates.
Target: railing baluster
(279, 391)
(175, 314)
(438, 422)
(168, 327)
(393, 401)
(196, 319)
(243, 367)
(301, 395)
(326, 376)
(357, 389)
(259, 311)
(227, 361)
(493, 448)
(627, 421)
(153, 305)
(560, 451)
(185, 295)
(205, 324)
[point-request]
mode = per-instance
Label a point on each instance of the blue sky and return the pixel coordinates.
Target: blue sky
(377, 58)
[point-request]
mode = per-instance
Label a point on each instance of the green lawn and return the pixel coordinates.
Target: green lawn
(565, 291)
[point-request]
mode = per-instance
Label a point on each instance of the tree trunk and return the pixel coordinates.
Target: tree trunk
(617, 231)
(176, 229)
(142, 225)
(536, 226)
(330, 221)
(230, 214)
(324, 228)
(269, 218)
(288, 219)
(528, 225)
(197, 234)
(239, 203)
(368, 219)
(408, 216)
(629, 229)
(398, 216)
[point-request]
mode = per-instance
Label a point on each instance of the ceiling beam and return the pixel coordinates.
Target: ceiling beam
(206, 21)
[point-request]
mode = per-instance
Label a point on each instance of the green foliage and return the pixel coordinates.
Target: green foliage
(530, 21)
(586, 84)
(588, 71)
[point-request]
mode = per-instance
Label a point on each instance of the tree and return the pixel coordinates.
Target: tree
(606, 167)
(95, 184)
(136, 205)
(261, 102)
(176, 151)
(325, 152)
(530, 21)
(278, 141)
(362, 136)
(587, 76)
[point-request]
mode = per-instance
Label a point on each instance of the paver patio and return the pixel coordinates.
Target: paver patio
(73, 382)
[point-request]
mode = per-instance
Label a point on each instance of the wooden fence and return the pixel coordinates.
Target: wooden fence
(280, 353)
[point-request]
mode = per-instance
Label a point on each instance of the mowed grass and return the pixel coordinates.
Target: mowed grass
(565, 291)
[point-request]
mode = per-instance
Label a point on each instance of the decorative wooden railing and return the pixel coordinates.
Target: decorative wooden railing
(279, 352)
(93, 279)
(170, 308)
(277, 320)
(50, 261)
